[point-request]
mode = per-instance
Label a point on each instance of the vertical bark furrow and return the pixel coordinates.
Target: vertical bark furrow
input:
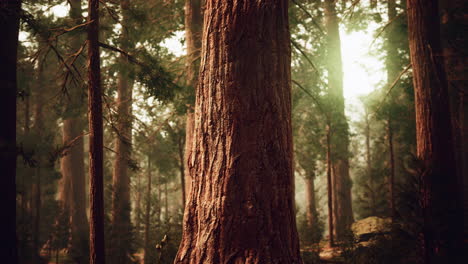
(241, 208)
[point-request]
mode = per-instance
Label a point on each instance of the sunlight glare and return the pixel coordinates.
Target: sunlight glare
(362, 71)
(60, 10)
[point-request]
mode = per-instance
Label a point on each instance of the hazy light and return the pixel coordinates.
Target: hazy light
(362, 71)
(174, 44)
(60, 10)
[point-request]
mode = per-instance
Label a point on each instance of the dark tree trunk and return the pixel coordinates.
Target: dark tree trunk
(242, 149)
(443, 220)
(392, 73)
(39, 129)
(181, 144)
(342, 208)
(96, 246)
(455, 41)
(391, 181)
(72, 189)
(121, 225)
(9, 28)
(193, 35)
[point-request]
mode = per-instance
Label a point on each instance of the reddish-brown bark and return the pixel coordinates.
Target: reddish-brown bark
(193, 35)
(121, 225)
(96, 223)
(72, 192)
(241, 208)
(439, 189)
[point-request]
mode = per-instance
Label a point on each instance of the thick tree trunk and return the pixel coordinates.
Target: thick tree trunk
(96, 246)
(193, 35)
(443, 220)
(342, 208)
(242, 149)
(9, 28)
(72, 192)
(455, 41)
(331, 237)
(121, 225)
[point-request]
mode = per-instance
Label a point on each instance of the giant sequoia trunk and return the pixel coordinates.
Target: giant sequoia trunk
(72, 189)
(96, 223)
(121, 225)
(454, 24)
(241, 208)
(439, 190)
(193, 35)
(342, 209)
(9, 28)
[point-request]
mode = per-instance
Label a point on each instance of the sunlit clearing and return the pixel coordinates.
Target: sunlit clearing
(60, 10)
(362, 71)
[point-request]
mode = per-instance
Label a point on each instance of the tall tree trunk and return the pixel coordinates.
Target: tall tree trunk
(181, 144)
(138, 204)
(147, 214)
(96, 246)
(372, 190)
(9, 28)
(72, 192)
(392, 73)
(455, 41)
(330, 189)
(391, 181)
(40, 132)
(311, 209)
(193, 35)
(166, 204)
(443, 220)
(242, 149)
(342, 208)
(121, 225)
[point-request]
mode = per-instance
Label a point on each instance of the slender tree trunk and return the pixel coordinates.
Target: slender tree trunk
(391, 182)
(369, 169)
(121, 224)
(40, 132)
(96, 246)
(343, 213)
(330, 189)
(182, 170)
(138, 204)
(193, 35)
(392, 73)
(242, 149)
(311, 209)
(147, 215)
(72, 192)
(455, 41)
(443, 222)
(166, 204)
